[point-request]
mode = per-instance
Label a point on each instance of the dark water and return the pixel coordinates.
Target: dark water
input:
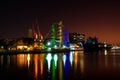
(63, 66)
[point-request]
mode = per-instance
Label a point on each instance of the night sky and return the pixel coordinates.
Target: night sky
(98, 18)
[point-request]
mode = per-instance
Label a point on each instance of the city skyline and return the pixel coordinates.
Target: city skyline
(92, 18)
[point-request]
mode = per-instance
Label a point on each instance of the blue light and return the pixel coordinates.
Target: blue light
(64, 59)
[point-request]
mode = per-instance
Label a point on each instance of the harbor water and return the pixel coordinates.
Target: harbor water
(75, 65)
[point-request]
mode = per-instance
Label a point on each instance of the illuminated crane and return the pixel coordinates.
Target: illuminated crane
(39, 33)
(36, 34)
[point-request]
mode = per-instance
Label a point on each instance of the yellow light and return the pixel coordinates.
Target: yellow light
(21, 47)
(28, 59)
(20, 59)
(105, 52)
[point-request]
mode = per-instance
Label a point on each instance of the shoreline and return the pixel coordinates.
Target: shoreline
(36, 51)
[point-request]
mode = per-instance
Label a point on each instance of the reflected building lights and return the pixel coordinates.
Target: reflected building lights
(60, 67)
(105, 52)
(54, 65)
(49, 58)
(71, 58)
(28, 59)
(20, 59)
(55, 59)
(64, 59)
(8, 59)
(1, 59)
(41, 68)
(82, 63)
(36, 65)
(106, 61)
(75, 60)
(66, 65)
(106, 57)
(53, 69)
(41, 63)
(114, 61)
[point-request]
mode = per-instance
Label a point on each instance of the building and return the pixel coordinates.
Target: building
(30, 33)
(76, 38)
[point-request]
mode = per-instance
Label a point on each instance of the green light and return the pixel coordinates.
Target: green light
(53, 35)
(45, 47)
(53, 70)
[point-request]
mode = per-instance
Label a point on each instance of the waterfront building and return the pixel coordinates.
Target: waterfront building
(30, 33)
(76, 38)
(91, 44)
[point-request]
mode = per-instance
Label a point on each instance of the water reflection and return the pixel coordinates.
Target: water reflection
(54, 64)
(105, 52)
(71, 58)
(28, 60)
(59, 66)
(38, 65)
(75, 61)
(1, 60)
(82, 62)
(49, 58)
(21, 60)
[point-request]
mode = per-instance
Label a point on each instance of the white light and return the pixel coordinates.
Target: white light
(105, 45)
(71, 46)
(49, 43)
(64, 59)
(28, 59)
(115, 47)
(55, 46)
(64, 46)
(71, 58)
(55, 59)
(49, 49)
(49, 58)
(105, 52)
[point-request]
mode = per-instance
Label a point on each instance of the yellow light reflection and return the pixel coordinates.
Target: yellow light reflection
(114, 61)
(20, 60)
(106, 61)
(105, 52)
(36, 65)
(75, 60)
(82, 63)
(41, 68)
(28, 59)
(60, 67)
(1, 59)
(41, 63)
